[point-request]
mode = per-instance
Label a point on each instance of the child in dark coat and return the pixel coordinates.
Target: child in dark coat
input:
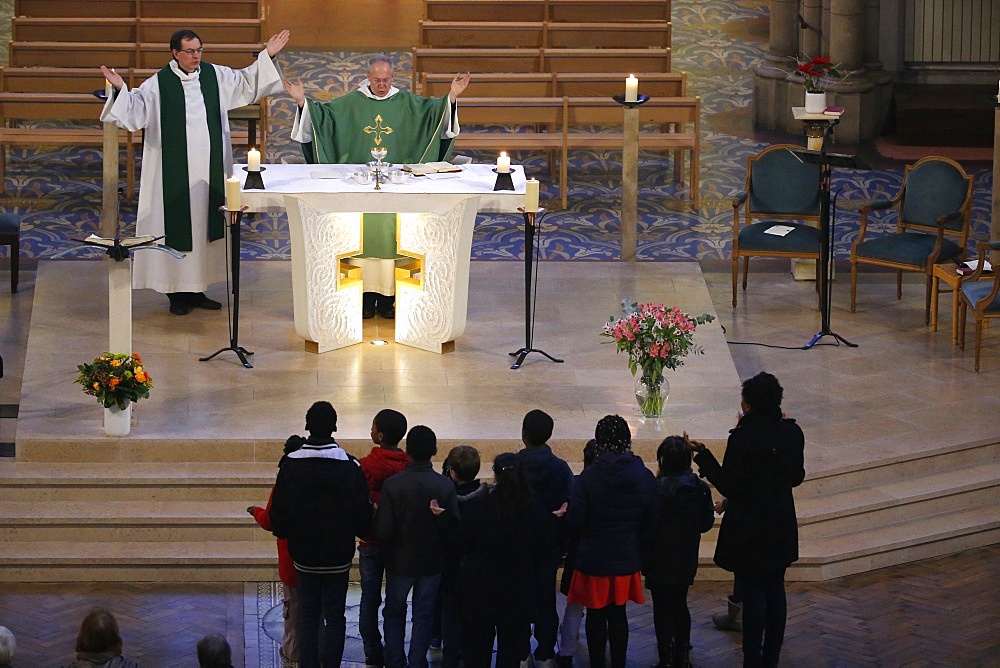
(682, 511)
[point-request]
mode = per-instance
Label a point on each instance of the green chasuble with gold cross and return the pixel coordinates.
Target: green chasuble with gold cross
(409, 126)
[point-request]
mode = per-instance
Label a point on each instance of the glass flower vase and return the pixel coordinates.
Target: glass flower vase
(652, 392)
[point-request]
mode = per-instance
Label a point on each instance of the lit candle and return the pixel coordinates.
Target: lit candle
(233, 202)
(503, 163)
(531, 195)
(253, 160)
(631, 88)
(107, 88)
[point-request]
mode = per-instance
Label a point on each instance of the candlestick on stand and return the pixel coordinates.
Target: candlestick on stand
(630, 168)
(529, 324)
(234, 216)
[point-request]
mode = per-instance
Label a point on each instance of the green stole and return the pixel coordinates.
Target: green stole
(339, 138)
(174, 158)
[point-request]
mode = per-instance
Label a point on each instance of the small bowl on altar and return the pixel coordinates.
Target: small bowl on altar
(398, 176)
(362, 177)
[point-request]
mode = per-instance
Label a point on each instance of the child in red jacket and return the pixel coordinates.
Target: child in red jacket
(286, 569)
(384, 461)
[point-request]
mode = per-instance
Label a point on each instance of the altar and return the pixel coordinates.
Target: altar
(436, 215)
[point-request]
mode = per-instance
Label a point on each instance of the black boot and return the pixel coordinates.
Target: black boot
(179, 304)
(665, 651)
(369, 300)
(682, 655)
(387, 306)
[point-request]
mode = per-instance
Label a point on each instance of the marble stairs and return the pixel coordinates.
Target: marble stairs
(186, 521)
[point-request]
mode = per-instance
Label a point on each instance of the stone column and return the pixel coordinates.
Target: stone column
(771, 102)
(810, 37)
(847, 37)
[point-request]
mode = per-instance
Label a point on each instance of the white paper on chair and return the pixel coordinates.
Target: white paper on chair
(779, 230)
(972, 264)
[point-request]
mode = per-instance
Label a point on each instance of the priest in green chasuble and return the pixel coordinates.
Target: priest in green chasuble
(343, 131)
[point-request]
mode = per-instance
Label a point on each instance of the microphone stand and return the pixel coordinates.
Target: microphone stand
(234, 312)
(529, 251)
(825, 247)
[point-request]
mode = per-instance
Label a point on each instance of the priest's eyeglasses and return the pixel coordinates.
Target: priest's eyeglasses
(192, 52)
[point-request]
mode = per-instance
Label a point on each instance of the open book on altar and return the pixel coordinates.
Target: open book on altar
(94, 240)
(424, 168)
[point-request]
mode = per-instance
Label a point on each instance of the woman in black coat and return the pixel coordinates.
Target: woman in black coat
(758, 538)
(682, 511)
(506, 537)
(609, 509)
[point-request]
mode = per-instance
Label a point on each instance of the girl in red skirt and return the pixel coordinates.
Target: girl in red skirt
(609, 507)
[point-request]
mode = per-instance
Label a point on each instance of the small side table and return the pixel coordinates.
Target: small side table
(946, 273)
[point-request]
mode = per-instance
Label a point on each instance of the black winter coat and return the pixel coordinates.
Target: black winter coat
(504, 559)
(415, 540)
(682, 511)
(609, 508)
(320, 504)
(763, 462)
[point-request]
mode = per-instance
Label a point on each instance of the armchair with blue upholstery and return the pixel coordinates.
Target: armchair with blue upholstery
(982, 296)
(780, 190)
(935, 208)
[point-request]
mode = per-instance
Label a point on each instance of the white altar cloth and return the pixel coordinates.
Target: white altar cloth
(436, 216)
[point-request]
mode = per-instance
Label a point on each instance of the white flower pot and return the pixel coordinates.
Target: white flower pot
(815, 102)
(117, 422)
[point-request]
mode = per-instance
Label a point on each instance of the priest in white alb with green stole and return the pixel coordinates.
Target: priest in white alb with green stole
(411, 128)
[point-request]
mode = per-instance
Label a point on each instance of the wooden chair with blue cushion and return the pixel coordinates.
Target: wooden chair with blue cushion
(935, 207)
(10, 235)
(780, 190)
(979, 295)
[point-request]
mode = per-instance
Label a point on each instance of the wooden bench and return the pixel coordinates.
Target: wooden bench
(511, 34)
(179, 10)
(588, 118)
(232, 9)
(607, 34)
(557, 84)
(211, 30)
(74, 29)
(491, 84)
(119, 55)
(431, 60)
(58, 106)
(87, 80)
(608, 10)
(542, 116)
(606, 60)
(484, 10)
(547, 10)
(580, 123)
(77, 8)
(606, 84)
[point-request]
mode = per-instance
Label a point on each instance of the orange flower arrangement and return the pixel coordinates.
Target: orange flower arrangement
(115, 379)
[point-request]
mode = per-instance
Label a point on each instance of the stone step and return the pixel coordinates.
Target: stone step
(901, 500)
(129, 521)
(873, 548)
(893, 469)
(208, 481)
(166, 561)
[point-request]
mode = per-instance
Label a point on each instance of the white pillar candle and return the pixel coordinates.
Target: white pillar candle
(631, 88)
(233, 202)
(107, 88)
(503, 163)
(531, 195)
(253, 160)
